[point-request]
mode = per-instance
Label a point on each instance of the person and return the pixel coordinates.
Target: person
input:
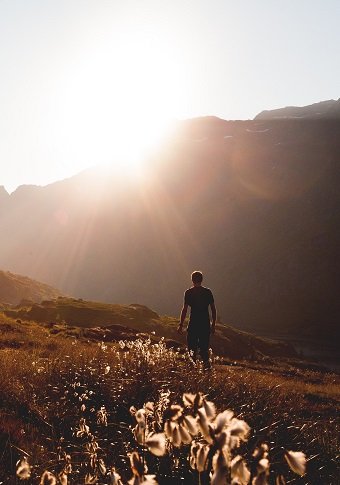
(199, 329)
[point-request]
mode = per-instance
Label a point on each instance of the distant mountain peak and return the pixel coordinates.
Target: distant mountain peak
(323, 109)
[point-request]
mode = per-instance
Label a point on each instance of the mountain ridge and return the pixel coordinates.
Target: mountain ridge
(323, 109)
(254, 204)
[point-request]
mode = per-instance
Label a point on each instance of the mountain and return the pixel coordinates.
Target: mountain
(16, 288)
(325, 109)
(253, 204)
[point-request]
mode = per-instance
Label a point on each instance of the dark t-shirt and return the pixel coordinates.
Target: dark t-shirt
(198, 298)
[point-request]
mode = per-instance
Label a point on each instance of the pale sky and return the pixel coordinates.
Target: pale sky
(88, 82)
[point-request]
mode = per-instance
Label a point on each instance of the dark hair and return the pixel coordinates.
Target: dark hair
(197, 277)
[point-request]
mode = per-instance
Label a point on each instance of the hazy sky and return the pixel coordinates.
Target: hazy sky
(86, 82)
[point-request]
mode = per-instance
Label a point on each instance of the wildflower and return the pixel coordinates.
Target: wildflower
(220, 469)
(92, 445)
(261, 451)
(68, 466)
(191, 424)
(139, 432)
(184, 434)
(140, 416)
(280, 480)
(102, 416)
(47, 478)
(296, 461)
(204, 425)
(156, 444)
(23, 469)
(149, 407)
(90, 479)
(101, 466)
(222, 420)
(239, 470)
(137, 466)
(192, 400)
(239, 428)
(83, 428)
(174, 434)
(115, 478)
(209, 408)
(62, 478)
(173, 412)
(198, 456)
(82, 407)
(146, 480)
(262, 472)
(188, 399)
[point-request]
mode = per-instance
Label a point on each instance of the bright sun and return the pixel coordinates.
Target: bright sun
(125, 99)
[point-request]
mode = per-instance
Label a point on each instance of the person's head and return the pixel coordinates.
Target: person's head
(197, 278)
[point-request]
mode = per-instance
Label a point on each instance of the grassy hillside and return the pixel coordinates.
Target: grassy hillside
(54, 384)
(114, 319)
(15, 288)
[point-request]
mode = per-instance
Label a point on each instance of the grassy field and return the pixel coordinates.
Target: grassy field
(55, 384)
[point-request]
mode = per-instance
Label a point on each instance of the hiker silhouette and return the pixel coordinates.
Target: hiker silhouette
(199, 299)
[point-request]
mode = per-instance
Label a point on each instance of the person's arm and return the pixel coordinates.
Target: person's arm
(213, 317)
(182, 318)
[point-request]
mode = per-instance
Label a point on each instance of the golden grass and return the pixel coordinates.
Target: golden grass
(46, 379)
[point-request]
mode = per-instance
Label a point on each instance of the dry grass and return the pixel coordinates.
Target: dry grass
(46, 379)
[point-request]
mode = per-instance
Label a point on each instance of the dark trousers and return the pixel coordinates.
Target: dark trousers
(198, 337)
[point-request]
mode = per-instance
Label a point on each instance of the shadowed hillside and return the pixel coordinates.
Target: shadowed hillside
(15, 288)
(104, 322)
(253, 204)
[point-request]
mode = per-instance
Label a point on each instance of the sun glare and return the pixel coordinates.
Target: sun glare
(125, 100)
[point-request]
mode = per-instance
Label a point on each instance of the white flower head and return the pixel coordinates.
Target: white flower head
(176, 437)
(132, 410)
(220, 469)
(23, 471)
(149, 407)
(47, 478)
(90, 479)
(263, 465)
(191, 424)
(184, 434)
(137, 466)
(201, 458)
(210, 409)
(139, 433)
(203, 422)
(239, 470)
(101, 466)
(156, 444)
(63, 478)
(222, 420)
(296, 461)
(149, 480)
(115, 478)
(239, 428)
(140, 416)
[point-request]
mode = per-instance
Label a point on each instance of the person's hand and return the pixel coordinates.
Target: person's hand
(180, 329)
